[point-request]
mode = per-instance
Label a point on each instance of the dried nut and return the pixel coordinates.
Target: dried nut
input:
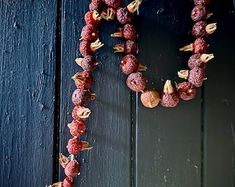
(134, 6)
(57, 184)
(108, 14)
(150, 98)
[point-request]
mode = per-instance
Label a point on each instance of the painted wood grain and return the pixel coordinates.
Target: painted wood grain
(27, 71)
(219, 103)
(108, 164)
(168, 141)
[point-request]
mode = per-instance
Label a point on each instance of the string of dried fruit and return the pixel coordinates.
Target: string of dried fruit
(98, 10)
(136, 80)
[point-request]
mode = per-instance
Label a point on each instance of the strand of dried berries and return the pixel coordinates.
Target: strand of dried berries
(98, 10)
(136, 81)
(195, 77)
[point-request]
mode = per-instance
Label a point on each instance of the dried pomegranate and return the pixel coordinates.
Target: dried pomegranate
(130, 47)
(150, 98)
(170, 98)
(72, 169)
(136, 82)
(201, 2)
(88, 63)
(92, 18)
(199, 46)
(77, 128)
(128, 32)
(195, 76)
(75, 146)
(129, 64)
(68, 182)
(201, 29)
(198, 13)
(95, 5)
(186, 91)
(87, 47)
(113, 3)
(83, 80)
(199, 60)
(89, 33)
(124, 16)
(80, 112)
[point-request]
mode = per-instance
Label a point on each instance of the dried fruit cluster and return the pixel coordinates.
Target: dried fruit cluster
(186, 90)
(129, 65)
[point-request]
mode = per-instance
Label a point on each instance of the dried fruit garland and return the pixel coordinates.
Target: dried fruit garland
(129, 65)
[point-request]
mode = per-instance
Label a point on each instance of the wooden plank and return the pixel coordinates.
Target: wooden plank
(108, 164)
(168, 141)
(27, 71)
(219, 103)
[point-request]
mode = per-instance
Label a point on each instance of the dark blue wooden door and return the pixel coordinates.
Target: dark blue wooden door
(189, 146)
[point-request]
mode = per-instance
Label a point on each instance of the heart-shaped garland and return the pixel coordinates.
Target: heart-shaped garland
(136, 81)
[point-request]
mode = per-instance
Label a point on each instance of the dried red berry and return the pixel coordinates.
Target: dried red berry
(72, 169)
(150, 98)
(88, 63)
(195, 76)
(95, 5)
(170, 98)
(199, 60)
(198, 13)
(92, 18)
(130, 47)
(186, 91)
(68, 182)
(136, 82)
(80, 95)
(80, 112)
(87, 47)
(128, 32)
(113, 3)
(124, 16)
(129, 64)
(83, 80)
(75, 146)
(89, 33)
(77, 128)
(201, 29)
(201, 2)
(200, 45)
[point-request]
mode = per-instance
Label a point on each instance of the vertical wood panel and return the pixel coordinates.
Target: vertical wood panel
(220, 102)
(108, 164)
(27, 64)
(168, 141)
